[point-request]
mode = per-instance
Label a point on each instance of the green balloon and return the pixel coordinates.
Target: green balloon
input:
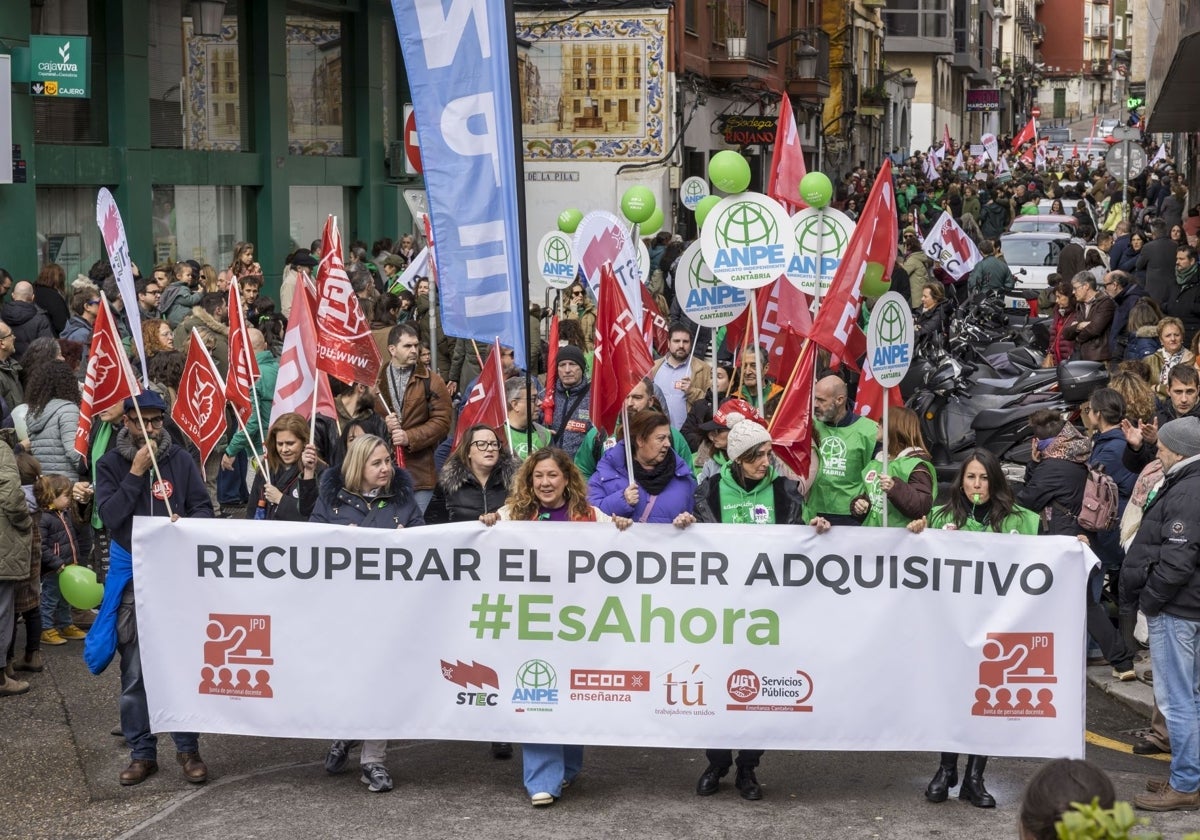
(873, 284)
(652, 225)
(637, 204)
(568, 220)
(729, 171)
(816, 190)
(78, 585)
(706, 204)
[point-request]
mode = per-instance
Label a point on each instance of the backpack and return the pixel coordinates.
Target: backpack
(1100, 502)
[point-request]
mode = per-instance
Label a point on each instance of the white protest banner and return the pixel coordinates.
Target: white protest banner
(949, 246)
(858, 639)
(747, 240)
(821, 239)
(890, 339)
(704, 298)
(692, 191)
(556, 259)
(603, 238)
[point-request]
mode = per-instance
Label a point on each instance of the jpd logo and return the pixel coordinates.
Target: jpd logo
(235, 655)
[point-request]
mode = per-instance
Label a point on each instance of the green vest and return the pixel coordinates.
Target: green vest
(900, 468)
(747, 507)
(587, 456)
(844, 453)
(1020, 521)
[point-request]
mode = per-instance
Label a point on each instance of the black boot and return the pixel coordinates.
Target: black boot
(972, 788)
(747, 784)
(945, 778)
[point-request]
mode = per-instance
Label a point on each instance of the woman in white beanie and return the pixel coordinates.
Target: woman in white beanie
(747, 490)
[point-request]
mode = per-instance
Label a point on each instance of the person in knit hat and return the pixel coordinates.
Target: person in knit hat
(747, 490)
(1161, 577)
(572, 400)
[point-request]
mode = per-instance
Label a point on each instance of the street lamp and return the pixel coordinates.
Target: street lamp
(206, 16)
(806, 61)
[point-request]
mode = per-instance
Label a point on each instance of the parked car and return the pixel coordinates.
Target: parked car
(1032, 257)
(1106, 127)
(1044, 223)
(1056, 137)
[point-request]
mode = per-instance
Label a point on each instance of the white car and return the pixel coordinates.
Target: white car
(1032, 258)
(1106, 127)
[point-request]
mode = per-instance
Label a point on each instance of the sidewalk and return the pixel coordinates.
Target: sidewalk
(1137, 695)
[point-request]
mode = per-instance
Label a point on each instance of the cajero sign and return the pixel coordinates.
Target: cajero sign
(60, 65)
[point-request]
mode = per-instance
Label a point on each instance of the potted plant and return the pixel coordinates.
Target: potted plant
(735, 39)
(872, 101)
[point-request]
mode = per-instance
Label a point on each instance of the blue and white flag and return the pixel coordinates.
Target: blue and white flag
(456, 56)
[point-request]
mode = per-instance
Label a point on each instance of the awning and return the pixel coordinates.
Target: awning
(1175, 109)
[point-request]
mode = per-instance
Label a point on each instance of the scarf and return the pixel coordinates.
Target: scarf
(655, 479)
(1170, 361)
(1188, 275)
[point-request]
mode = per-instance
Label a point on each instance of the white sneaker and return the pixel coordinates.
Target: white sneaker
(376, 778)
(541, 800)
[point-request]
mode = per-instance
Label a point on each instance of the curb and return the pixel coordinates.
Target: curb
(1137, 695)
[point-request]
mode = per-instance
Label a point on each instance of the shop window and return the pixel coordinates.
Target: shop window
(70, 120)
(198, 223)
(316, 87)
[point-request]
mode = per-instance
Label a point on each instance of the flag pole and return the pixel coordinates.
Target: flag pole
(262, 441)
(884, 450)
(312, 415)
(628, 444)
(757, 344)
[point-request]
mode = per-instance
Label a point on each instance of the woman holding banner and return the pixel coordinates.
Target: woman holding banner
(747, 490)
(549, 488)
(980, 500)
(367, 492)
(909, 484)
(291, 494)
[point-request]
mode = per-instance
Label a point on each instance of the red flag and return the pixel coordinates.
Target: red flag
(872, 245)
(787, 161)
(243, 366)
(791, 425)
(868, 402)
(199, 409)
(946, 136)
(298, 373)
(621, 358)
(547, 404)
(109, 378)
(781, 306)
(655, 329)
(347, 350)
(1025, 135)
(485, 404)
(784, 354)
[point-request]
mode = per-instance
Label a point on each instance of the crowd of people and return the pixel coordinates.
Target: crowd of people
(693, 444)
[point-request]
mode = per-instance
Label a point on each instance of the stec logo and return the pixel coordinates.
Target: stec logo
(480, 676)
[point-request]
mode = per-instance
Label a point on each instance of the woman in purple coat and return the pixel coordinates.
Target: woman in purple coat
(662, 485)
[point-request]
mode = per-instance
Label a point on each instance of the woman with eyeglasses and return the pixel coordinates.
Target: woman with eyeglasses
(747, 490)
(548, 487)
(662, 484)
(579, 307)
(980, 500)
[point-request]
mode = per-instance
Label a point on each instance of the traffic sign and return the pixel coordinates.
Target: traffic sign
(1126, 132)
(1126, 164)
(412, 147)
(1035, 112)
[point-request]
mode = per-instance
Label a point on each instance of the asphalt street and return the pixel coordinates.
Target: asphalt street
(59, 766)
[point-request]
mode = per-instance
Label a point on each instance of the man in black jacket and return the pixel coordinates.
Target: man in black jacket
(1184, 299)
(1161, 577)
(1157, 261)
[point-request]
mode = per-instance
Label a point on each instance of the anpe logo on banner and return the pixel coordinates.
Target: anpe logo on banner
(821, 240)
(747, 240)
(599, 685)
(684, 686)
(235, 643)
(786, 693)
(480, 676)
(537, 685)
(1013, 665)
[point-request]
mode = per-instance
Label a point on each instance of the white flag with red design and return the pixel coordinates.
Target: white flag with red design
(109, 378)
(243, 366)
(485, 404)
(298, 374)
(346, 348)
(112, 231)
(199, 409)
(950, 247)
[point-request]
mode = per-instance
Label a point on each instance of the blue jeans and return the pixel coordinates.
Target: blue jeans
(1175, 651)
(547, 766)
(56, 612)
(135, 714)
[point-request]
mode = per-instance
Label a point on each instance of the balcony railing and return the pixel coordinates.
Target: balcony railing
(1099, 30)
